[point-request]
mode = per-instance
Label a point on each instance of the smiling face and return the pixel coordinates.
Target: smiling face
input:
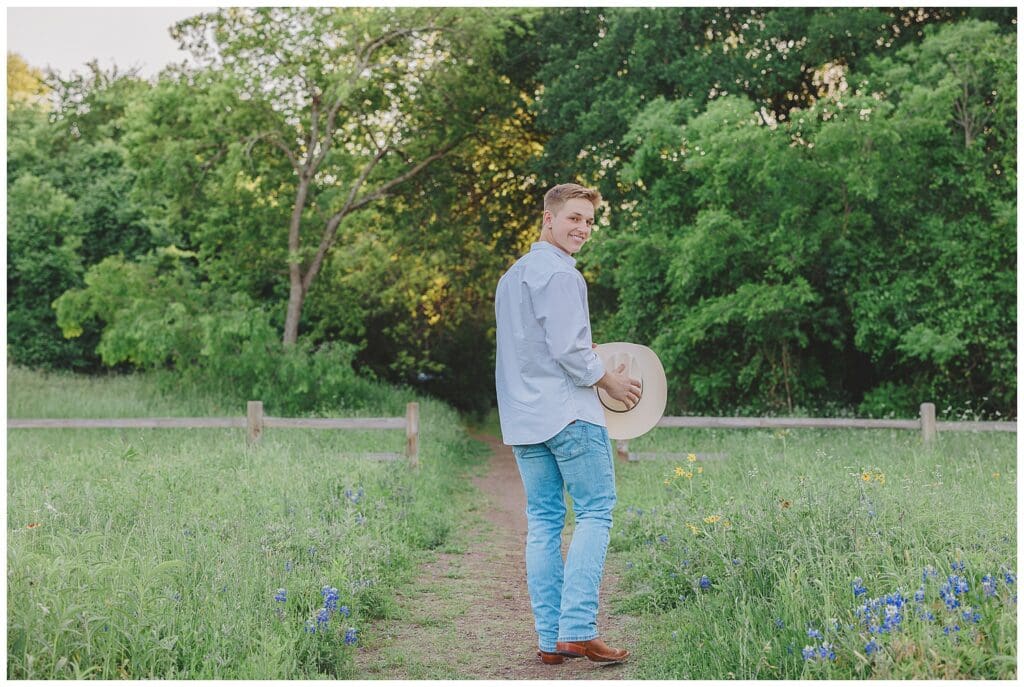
(569, 227)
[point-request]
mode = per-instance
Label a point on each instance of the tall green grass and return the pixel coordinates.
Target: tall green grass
(794, 532)
(159, 553)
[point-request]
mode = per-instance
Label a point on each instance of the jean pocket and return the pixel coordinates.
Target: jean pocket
(569, 443)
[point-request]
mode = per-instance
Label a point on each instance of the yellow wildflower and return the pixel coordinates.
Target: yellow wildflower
(712, 519)
(996, 475)
(668, 482)
(693, 528)
(691, 457)
(726, 523)
(679, 471)
(689, 475)
(785, 503)
(880, 477)
(700, 469)
(866, 476)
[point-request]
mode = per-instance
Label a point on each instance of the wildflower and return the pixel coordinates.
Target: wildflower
(693, 528)
(33, 525)
(785, 503)
(663, 538)
(350, 636)
(880, 477)
(808, 653)
(360, 519)
(691, 457)
(988, 585)
(813, 634)
(288, 566)
(685, 563)
(1009, 577)
(919, 595)
(700, 469)
(330, 595)
(712, 519)
(726, 523)
(705, 582)
(679, 471)
(310, 627)
(682, 598)
(668, 482)
(858, 587)
(971, 616)
(344, 611)
(866, 476)
(948, 629)
(689, 475)
(956, 566)
(281, 596)
(779, 623)
(929, 571)
(871, 647)
(737, 561)
(323, 616)
(826, 651)
(629, 565)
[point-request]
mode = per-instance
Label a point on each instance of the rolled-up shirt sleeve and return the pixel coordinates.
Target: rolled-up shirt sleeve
(560, 306)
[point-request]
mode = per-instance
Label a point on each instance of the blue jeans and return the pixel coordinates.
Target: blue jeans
(564, 595)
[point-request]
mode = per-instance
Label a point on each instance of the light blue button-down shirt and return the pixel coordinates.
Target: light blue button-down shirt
(545, 368)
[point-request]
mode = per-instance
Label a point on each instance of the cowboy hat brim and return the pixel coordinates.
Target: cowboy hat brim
(642, 364)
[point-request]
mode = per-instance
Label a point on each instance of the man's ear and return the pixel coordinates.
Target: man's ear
(547, 219)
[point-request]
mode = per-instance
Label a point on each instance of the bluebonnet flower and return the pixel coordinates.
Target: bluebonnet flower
(350, 636)
(971, 616)
(360, 519)
(871, 647)
(322, 616)
(629, 565)
(858, 587)
(1009, 577)
(288, 566)
(737, 561)
(675, 634)
(779, 624)
(311, 550)
(957, 566)
(344, 611)
(826, 651)
(808, 653)
(310, 627)
(919, 595)
(947, 629)
(663, 538)
(330, 595)
(929, 571)
(871, 513)
(926, 615)
(685, 564)
(705, 582)
(813, 634)
(988, 585)
(281, 596)
(682, 598)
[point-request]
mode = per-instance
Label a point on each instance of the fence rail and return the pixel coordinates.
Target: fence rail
(254, 423)
(926, 424)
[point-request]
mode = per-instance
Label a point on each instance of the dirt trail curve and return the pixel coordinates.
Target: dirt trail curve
(468, 614)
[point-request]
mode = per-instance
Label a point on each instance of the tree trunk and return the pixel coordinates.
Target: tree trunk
(296, 294)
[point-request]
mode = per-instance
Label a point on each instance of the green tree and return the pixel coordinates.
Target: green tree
(341, 107)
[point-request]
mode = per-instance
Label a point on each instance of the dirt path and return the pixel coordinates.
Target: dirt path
(468, 614)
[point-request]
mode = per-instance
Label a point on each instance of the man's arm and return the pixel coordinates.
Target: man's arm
(561, 312)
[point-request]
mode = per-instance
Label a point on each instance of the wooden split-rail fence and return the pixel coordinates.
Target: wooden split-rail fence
(255, 422)
(926, 424)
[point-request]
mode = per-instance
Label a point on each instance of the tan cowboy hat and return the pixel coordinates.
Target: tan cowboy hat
(641, 364)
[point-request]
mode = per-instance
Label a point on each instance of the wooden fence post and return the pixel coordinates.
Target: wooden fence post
(412, 433)
(254, 421)
(622, 449)
(928, 427)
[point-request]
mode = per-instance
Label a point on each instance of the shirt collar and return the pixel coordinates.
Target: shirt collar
(545, 246)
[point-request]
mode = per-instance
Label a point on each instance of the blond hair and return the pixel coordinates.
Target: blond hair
(555, 198)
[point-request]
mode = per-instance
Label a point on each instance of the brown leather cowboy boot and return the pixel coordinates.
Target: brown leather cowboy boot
(594, 649)
(550, 658)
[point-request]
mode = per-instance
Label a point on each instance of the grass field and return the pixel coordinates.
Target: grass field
(794, 554)
(185, 554)
(821, 554)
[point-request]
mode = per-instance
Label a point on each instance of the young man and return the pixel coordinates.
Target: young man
(547, 374)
